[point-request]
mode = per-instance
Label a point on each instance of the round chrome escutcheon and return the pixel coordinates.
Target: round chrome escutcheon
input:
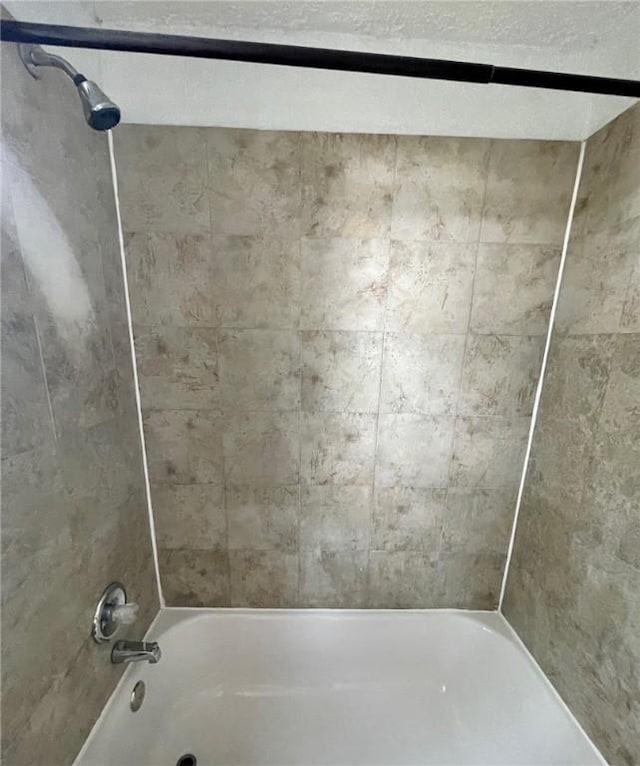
(137, 696)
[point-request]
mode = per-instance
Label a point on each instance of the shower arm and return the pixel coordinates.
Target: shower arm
(34, 56)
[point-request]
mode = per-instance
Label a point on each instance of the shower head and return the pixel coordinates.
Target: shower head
(99, 111)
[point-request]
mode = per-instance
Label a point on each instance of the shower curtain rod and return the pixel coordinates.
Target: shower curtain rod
(313, 58)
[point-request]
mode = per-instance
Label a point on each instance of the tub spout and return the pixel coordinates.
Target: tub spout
(135, 651)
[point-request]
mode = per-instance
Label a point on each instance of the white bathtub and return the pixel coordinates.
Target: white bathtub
(337, 687)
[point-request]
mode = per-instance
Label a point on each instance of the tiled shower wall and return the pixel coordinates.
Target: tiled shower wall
(574, 584)
(338, 339)
(73, 508)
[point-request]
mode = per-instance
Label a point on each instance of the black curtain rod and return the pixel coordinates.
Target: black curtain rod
(313, 58)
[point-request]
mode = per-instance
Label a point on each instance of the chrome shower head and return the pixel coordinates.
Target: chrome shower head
(99, 111)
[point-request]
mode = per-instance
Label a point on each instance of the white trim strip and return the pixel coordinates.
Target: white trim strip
(512, 631)
(136, 383)
(543, 369)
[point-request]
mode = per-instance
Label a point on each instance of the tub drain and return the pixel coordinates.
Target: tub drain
(187, 760)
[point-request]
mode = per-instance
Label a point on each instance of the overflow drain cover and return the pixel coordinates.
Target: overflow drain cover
(187, 760)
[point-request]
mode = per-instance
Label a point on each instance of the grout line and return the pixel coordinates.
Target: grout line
(134, 365)
(543, 369)
(547, 681)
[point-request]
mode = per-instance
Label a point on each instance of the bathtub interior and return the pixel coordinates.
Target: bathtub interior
(337, 687)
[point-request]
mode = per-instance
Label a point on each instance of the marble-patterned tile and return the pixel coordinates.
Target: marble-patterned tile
(170, 279)
(621, 404)
(189, 516)
(630, 321)
(471, 580)
(528, 191)
(263, 518)
(194, 577)
(80, 372)
(513, 289)
(344, 284)
(335, 517)
(403, 580)
(595, 284)
(347, 184)
(254, 182)
(256, 281)
(488, 452)
(264, 579)
(576, 378)
(608, 195)
(341, 371)
(26, 419)
(259, 369)
(413, 450)
(333, 579)
(262, 448)
(337, 448)
(478, 521)
(408, 519)
(178, 367)
(500, 374)
(14, 291)
(440, 192)
(558, 467)
(184, 446)
(430, 286)
(162, 178)
(421, 373)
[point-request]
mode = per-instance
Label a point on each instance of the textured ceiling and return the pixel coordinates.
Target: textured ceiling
(599, 38)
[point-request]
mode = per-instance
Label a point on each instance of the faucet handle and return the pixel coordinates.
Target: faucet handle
(125, 614)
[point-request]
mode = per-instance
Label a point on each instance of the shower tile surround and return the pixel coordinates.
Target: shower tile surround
(572, 592)
(74, 512)
(338, 341)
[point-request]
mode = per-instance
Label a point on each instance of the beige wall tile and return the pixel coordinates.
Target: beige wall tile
(254, 182)
(478, 521)
(500, 374)
(266, 579)
(333, 579)
(572, 590)
(406, 518)
(341, 371)
(528, 191)
(344, 284)
(162, 175)
(595, 285)
(337, 448)
(263, 518)
(403, 580)
(184, 446)
(421, 373)
(440, 188)
(413, 450)
(347, 184)
(430, 287)
(488, 451)
(630, 321)
(513, 288)
(261, 448)
(73, 508)
(471, 581)
(190, 516)
(259, 369)
(178, 367)
(194, 577)
(170, 279)
(256, 281)
(335, 517)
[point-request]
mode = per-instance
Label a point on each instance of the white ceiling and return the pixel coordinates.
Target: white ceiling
(599, 38)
